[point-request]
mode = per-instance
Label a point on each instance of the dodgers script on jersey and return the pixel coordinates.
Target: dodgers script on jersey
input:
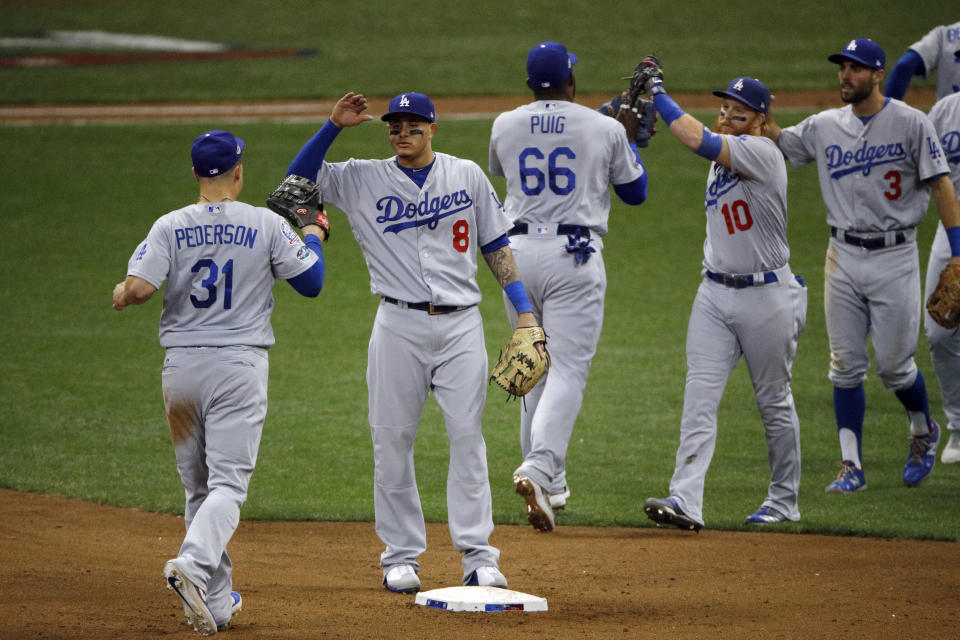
(938, 49)
(564, 149)
(420, 244)
(871, 175)
(746, 208)
(211, 256)
(945, 116)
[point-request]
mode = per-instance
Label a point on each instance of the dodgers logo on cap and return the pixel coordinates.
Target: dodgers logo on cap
(214, 152)
(749, 91)
(862, 51)
(414, 103)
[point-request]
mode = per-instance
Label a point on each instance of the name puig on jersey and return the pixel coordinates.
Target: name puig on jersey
(204, 234)
(864, 158)
(427, 211)
(540, 123)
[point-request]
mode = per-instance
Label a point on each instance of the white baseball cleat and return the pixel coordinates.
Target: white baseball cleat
(559, 500)
(202, 618)
(539, 511)
(402, 578)
(486, 577)
(951, 452)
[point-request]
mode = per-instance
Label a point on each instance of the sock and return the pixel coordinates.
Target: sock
(849, 407)
(914, 400)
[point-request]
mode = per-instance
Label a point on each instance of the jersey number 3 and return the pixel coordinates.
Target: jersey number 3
(893, 191)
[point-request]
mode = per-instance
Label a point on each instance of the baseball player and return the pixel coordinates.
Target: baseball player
(559, 159)
(220, 259)
(749, 304)
(939, 50)
(419, 218)
(878, 161)
(936, 51)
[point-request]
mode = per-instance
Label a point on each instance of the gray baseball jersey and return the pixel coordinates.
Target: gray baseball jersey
(420, 244)
(945, 343)
(212, 257)
(746, 210)
(752, 194)
(560, 159)
(871, 174)
(938, 49)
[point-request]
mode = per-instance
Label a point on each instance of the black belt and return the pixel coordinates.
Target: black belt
(429, 307)
(876, 242)
(743, 281)
(522, 228)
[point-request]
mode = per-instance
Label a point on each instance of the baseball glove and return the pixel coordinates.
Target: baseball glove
(300, 201)
(521, 366)
(646, 75)
(646, 117)
(944, 303)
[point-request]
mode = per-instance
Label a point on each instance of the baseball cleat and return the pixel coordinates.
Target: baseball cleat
(539, 511)
(849, 479)
(486, 577)
(922, 456)
(765, 515)
(667, 511)
(235, 608)
(951, 452)
(559, 500)
(402, 578)
(202, 619)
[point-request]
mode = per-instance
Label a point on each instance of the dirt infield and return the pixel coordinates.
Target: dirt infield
(306, 110)
(73, 569)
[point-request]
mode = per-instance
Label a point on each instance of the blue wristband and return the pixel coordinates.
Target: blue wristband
(669, 110)
(518, 296)
(953, 236)
(710, 146)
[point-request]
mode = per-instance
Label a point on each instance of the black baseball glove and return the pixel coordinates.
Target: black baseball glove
(300, 201)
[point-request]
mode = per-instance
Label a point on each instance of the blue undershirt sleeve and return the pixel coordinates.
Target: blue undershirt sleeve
(710, 146)
(910, 64)
(502, 241)
(310, 282)
(310, 158)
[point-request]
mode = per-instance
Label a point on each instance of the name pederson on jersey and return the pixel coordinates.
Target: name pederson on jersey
(220, 262)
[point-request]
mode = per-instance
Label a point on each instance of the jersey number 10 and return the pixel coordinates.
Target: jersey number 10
(737, 215)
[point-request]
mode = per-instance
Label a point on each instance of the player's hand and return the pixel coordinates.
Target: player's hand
(118, 295)
(349, 111)
(527, 319)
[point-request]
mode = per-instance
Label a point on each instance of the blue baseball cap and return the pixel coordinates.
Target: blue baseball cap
(416, 103)
(862, 51)
(549, 65)
(749, 91)
(214, 152)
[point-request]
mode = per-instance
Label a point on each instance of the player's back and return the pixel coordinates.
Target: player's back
(220, 277)
(559, 159)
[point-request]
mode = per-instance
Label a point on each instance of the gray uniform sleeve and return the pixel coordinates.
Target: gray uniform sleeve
(798, 142)
(151, 259)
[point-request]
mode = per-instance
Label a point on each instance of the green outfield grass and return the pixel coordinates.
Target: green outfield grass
(80, 405)
(381, 47)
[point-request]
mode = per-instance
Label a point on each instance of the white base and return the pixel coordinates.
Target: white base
(486, 599)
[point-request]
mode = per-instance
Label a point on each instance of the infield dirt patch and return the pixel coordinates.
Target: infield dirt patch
(73, 569)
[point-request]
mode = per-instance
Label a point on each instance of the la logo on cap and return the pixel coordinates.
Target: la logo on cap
(404, 102)
(739, 85)
(852, 46)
